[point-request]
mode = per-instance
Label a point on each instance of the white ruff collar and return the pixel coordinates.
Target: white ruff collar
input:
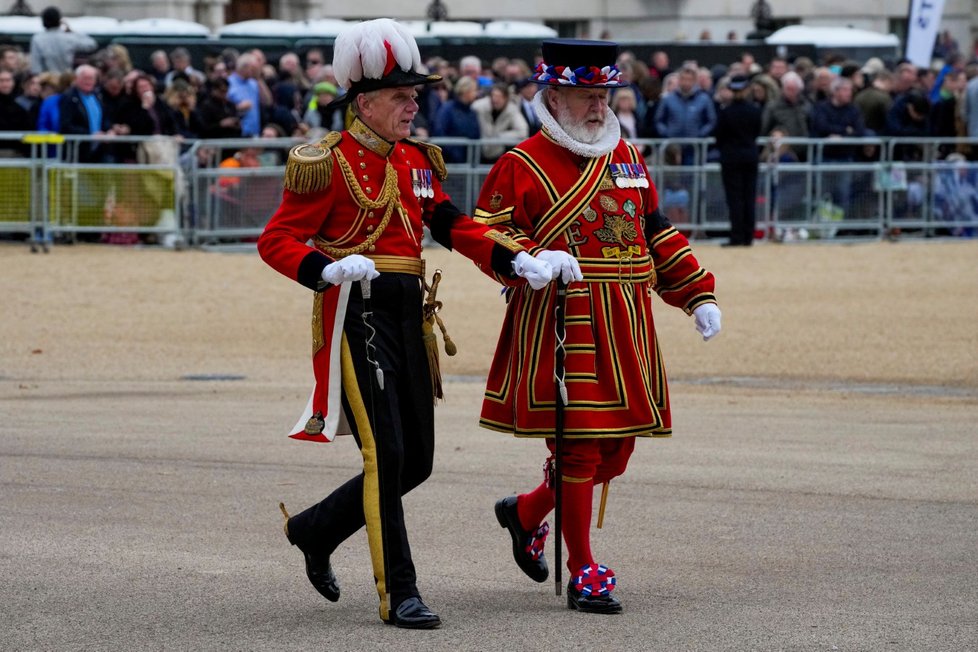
(607, 143)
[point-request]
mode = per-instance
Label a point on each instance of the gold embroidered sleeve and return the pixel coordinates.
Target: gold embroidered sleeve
(310, 166)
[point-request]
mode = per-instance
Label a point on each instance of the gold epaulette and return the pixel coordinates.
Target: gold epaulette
(310, 165)
(433, 152)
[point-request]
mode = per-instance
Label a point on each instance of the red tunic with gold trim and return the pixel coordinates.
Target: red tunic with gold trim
(604, 211)
(355, 192)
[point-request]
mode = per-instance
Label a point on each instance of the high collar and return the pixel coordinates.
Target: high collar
(370, 138)
(556, 133)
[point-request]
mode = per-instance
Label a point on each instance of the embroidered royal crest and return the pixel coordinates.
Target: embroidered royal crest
(496, 200)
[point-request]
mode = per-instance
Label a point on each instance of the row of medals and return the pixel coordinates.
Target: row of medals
(422, 183)
(628, 175)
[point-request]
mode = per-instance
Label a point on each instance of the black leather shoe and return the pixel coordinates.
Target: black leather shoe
(509, 518)
(591, 604)
(413, 614)
(321, 576)
(318, 569)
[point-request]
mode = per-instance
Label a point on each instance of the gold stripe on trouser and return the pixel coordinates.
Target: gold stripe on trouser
(371, 477)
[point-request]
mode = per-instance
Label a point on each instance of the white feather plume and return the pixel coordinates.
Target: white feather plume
(359, 51)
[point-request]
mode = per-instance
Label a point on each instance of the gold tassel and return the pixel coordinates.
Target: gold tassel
(431, 348)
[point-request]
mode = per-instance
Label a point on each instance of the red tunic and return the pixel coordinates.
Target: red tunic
(615, 377)
(358, 193)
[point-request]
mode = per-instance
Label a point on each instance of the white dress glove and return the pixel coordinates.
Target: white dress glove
(351, 268)
(536, 272)
(564, 265)
(707, 319)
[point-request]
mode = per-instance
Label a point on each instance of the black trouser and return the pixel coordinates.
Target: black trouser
(394, 429)
(740, 187)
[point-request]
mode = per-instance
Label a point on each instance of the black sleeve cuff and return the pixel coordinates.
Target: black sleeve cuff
(441, 222)
(311, 271)
(501, 261)
(655, 223)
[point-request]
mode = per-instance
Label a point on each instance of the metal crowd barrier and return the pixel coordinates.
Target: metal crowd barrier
(169, 191)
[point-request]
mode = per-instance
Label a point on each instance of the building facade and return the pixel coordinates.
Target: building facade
(659, 20)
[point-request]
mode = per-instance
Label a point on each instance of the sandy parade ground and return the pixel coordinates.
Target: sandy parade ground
(820, 493)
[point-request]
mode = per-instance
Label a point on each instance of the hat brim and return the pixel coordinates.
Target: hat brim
(394, 79)
(614, 84)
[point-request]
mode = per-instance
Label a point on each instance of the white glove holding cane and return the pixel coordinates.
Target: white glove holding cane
(564, 265)
(351, 268)
(537, 272)
(707, 319)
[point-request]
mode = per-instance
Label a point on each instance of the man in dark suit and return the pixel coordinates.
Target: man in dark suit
(82, 113)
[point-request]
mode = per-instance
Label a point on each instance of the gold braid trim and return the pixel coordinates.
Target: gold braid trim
(310, 166)
(388, 199)
(435, 157)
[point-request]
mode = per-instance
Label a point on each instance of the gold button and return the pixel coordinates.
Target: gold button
(363, 166)
(359, 152)
(370, 214)
(371, 248)
(370, 227)
(403, 151)
(366, 178)
(368, 189)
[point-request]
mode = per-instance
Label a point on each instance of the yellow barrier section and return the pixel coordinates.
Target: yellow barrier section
(125, 198)
(15, 191)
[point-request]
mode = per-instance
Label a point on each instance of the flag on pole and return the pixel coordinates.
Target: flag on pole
(922, 26)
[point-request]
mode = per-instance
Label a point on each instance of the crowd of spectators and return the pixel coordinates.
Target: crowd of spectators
(243, 94)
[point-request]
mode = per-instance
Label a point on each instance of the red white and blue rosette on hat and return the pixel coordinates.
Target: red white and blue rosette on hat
(585, 76)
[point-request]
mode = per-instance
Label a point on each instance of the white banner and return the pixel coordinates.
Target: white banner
(925, 19)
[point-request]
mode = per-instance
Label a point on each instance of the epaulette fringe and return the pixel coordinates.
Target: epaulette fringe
(310, 165)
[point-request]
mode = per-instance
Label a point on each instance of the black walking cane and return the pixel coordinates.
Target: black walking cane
(560, 403)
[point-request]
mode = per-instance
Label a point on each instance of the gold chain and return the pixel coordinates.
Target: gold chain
(388, 199)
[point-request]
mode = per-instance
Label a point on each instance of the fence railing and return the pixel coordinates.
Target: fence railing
(212, 192)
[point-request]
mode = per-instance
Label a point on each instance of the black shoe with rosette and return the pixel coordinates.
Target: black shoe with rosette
(527, 545)
(590, 591)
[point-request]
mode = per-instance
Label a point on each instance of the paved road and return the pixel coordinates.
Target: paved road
(142, 516)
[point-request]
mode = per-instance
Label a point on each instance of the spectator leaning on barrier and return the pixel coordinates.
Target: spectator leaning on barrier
(54, 49)
(80, 113)
(686, 113)
(907, 118)
(499, 118)
(790, 113)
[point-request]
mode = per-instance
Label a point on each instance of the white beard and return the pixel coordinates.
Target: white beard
(582, 133)
(589, 142)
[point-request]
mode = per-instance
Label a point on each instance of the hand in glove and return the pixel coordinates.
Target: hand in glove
(564, 265)
(351, 268)
(707, 319)
(536, 272)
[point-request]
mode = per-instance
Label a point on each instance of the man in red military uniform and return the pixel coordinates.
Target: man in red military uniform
(580, 197)
(361, 197)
